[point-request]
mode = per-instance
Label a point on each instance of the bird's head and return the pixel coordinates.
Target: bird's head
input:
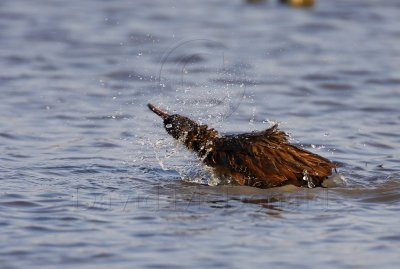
(176, 125)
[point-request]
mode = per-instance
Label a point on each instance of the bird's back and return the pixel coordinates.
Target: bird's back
(267, 159)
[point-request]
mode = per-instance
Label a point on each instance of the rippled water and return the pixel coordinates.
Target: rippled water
(89, 177)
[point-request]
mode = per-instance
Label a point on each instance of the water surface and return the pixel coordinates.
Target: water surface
(90, 178)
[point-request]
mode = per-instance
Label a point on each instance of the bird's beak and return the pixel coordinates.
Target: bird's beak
(158, 111)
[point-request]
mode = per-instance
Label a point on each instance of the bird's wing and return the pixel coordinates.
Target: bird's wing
(267, 155)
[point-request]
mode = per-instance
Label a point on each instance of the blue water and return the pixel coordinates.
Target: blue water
(90, 179)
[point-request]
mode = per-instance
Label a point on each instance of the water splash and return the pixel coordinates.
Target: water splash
(213, 179)
(192, 169)
(337, 180)
(308, 179)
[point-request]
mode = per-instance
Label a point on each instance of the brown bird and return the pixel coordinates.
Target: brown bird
(260, 159)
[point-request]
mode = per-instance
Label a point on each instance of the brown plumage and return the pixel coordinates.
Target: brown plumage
(260, 159)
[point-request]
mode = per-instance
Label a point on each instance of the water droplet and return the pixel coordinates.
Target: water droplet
(307, 177)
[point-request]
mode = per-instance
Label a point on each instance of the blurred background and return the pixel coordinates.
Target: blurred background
(91, 179)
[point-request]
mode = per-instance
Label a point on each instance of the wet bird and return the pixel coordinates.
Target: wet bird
(262, 159)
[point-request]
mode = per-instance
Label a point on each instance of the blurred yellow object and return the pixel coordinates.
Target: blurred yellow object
(299, 3)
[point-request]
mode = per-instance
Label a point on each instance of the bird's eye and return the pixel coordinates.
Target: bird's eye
(168, 126)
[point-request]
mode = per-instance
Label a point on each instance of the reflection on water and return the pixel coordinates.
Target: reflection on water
(90, 178)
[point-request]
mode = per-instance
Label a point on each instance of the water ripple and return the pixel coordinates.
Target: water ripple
(81, 181)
